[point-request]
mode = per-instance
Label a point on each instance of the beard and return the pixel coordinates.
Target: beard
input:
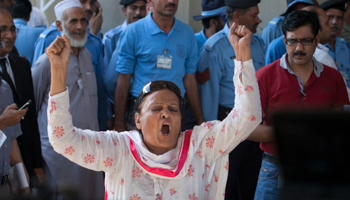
(75, 42)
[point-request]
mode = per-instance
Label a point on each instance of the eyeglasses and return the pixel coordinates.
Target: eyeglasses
(158, 85)
(5, 30)
(304, 42)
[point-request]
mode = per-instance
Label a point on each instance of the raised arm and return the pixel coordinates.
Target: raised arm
(219, 138)
(100, 151)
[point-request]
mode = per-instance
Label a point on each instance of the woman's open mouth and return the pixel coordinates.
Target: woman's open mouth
(165, 129)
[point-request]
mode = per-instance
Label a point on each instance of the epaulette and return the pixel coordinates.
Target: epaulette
(275, 20)
(47, 32)
(209, 44)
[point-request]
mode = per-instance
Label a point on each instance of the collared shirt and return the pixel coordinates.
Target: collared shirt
(341, 56)
(26, 38)
(142, 42)
(94, 46)
(217, 56)
(11, 132)
(272, 30)
(280, 89)
(322, 56)
(201, 39)
(345, 32)
(8, 68)
(199, 168)
(110, 40)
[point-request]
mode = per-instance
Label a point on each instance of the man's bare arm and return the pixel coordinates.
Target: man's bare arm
(262, 133)
(193, 97)
(120, 100)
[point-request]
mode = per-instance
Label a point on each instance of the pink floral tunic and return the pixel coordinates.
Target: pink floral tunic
(196, 169)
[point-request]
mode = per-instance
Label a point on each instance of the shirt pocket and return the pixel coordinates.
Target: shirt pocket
(90, 83)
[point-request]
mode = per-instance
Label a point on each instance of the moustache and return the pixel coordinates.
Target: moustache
(299, 53)
(335, 27)
(137, 17)
(170, 4)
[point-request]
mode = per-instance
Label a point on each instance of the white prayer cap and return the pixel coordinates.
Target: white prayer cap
(64, 5)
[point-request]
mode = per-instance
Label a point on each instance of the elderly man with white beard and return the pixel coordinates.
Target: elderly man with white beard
(81, 83)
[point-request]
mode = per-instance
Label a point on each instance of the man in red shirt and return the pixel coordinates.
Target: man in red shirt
(296, 81)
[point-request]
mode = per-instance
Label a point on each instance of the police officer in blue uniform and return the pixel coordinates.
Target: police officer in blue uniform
(211, 20)
(273, 29)
(94, 45)
(133, 11)
(215, 70)
(338, 47)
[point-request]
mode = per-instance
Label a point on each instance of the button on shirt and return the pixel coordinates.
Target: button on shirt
(201, 39)
(217, 55)
(272, 30)
(11, 132)
(93, 45)
(341, 56)
(26, 38)
(142, 42)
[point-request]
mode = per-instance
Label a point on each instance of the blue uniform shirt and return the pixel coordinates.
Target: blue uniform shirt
(272, 30)
(94, 46)
(142, 42)
(11, 132)
(217, 54)
(110, 40)
(341, 56)
(26, 38)
(201, 39)
(275, 50)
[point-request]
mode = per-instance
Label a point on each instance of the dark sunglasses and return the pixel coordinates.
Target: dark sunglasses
(158, 85)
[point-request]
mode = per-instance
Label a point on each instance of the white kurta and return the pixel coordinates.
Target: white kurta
(195, 169)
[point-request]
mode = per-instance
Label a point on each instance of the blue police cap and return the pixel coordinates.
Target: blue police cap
(336, 4)
(211, 8)
(242, 3)
(127, 2)
(290, 3)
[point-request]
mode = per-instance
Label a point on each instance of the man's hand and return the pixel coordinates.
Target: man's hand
(11, 116)
(59, 54)
(95, 22)
(39, 173)
(240, 38)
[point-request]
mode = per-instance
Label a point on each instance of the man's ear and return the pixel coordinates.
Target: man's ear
(138, 121)
(235, 17)
(124, 9)
(284, 39)
(213, 22)
(317, 39)
(59, 25)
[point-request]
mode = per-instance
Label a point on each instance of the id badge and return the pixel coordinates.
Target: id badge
(164, 62)
(80, 83)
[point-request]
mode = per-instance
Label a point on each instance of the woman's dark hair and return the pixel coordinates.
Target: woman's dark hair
(299, 18)
(153, 87)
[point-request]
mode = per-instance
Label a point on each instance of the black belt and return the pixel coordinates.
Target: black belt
(3, 180)
(271, 159)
